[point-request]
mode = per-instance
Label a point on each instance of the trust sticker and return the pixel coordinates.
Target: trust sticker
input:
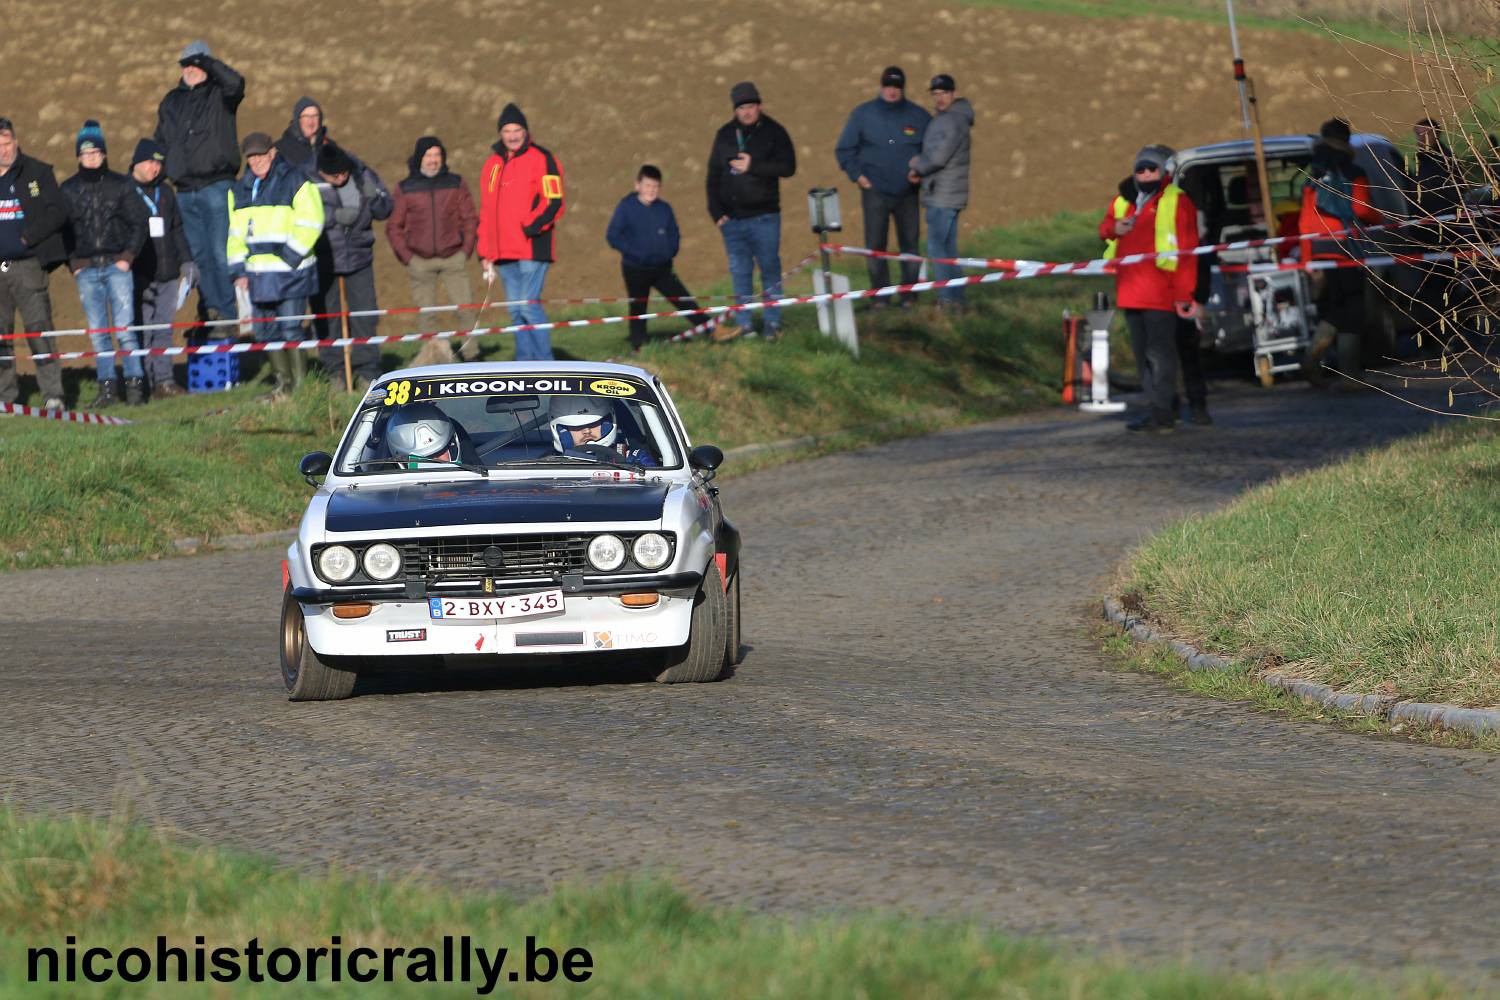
(406, 635)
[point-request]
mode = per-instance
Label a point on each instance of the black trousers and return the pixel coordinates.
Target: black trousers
(1153, 338)
(1341, 298)
(1190, 358)
(364, 359)
(879, 211)
(638, 284)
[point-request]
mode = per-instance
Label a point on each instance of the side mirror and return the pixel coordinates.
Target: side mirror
(706, 458)
(315, 464)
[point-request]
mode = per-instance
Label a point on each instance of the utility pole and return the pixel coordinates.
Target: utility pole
(1250, 121)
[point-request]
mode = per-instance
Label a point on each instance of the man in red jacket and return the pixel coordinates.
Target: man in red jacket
(520, 201)
(433, 229)
(1163, 222)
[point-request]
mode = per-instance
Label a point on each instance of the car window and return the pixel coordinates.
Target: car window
(492, 421)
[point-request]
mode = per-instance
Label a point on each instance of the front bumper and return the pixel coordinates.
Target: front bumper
(591, 622)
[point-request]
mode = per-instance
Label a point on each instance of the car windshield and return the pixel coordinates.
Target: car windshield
(488, 421)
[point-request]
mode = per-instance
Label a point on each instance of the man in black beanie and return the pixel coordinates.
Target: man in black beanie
(750, 155)
(353, 197)
(165, 261)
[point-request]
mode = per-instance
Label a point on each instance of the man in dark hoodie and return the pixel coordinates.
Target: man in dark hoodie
(108, 223)
(353, 198)
(875, 149)
(33, 217)
(942, 170)
(305, 134)
(750, 156)
(163, 263)
(196, 127)
(433, 228)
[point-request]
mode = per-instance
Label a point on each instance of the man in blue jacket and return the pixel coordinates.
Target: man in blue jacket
(644, 231)
(875, 150)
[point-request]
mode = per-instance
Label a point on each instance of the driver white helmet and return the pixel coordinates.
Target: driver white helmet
(572, 413)
(422, 430)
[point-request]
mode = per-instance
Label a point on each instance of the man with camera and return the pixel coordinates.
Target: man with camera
(196, 127)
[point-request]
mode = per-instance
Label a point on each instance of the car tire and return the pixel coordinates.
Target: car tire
(702, 657)
(732, 610)
(307, 676)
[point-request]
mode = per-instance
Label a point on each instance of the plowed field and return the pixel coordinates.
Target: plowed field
(1062, 102)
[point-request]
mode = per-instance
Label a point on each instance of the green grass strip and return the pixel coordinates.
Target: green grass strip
(1377, 575)
(117, 885)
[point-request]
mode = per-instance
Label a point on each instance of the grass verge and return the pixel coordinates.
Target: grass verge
(1377, 575)
(118, 885)
(209, 466)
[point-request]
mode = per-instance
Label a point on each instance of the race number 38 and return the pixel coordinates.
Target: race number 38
(398, 393)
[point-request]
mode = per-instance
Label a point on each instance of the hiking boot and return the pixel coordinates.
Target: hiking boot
(54, 404)
(1151, 425)
(724, 333)
(1199, 413)
(107, 396)
(773, 333)
(135, 392)
(166, 390)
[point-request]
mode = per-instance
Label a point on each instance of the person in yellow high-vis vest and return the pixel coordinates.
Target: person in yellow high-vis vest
(1161, 226)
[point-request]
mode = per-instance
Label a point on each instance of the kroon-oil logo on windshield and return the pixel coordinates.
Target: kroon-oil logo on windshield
(612, 387)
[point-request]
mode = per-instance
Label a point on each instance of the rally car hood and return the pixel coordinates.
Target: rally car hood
(449, 504)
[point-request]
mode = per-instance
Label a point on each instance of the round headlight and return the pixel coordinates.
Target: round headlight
(382, 561)
(606, 552)
(651, 551)
(336, 563)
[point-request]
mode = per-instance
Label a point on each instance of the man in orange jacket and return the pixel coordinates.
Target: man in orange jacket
(520, 201)
(1163, 222)
(1335, 198)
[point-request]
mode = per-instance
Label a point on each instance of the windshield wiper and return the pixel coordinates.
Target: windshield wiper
(410, 462)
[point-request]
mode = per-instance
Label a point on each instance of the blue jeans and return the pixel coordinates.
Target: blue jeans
(942, 241)
(523, 280)
(205, 222)
(108, 296)
(284, 329)
(749, 242)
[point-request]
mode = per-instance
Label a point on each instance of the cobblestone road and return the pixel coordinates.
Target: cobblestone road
(922, 722)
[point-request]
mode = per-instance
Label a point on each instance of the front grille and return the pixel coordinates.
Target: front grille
(520, 556)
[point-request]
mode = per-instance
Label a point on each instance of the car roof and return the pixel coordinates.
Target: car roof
(510, 368)
(1275, 145)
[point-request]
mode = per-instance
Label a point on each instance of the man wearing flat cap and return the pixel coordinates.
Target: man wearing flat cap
(1161, 222)
(353, 198)
(875, 149)
(275, 219)
(750, 155)
(196, 128)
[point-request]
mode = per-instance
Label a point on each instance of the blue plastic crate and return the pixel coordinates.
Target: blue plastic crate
(212, 372)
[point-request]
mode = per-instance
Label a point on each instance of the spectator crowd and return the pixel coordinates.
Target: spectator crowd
(275, 229)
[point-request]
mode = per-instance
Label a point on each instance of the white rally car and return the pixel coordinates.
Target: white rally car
(478, 510)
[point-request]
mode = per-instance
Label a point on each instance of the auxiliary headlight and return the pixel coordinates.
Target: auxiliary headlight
(606, 553)
(651, 551)
(336, 563)
(382, 561)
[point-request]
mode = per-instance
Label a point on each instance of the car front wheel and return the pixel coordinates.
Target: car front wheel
(702, 657)
(307, 677)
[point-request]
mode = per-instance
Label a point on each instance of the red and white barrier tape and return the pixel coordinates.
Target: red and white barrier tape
(65, 416)
(363, 313)
(1102, 265)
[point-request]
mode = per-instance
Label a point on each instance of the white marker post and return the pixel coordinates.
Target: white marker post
(1099, 319)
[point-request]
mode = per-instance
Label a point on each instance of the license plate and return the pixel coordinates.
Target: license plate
(547, 602)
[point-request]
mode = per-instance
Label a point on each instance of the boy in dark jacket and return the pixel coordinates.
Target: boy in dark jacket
(164, 263)
(108, 225)
(644, 230)
(750, 155)
(433, 228)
